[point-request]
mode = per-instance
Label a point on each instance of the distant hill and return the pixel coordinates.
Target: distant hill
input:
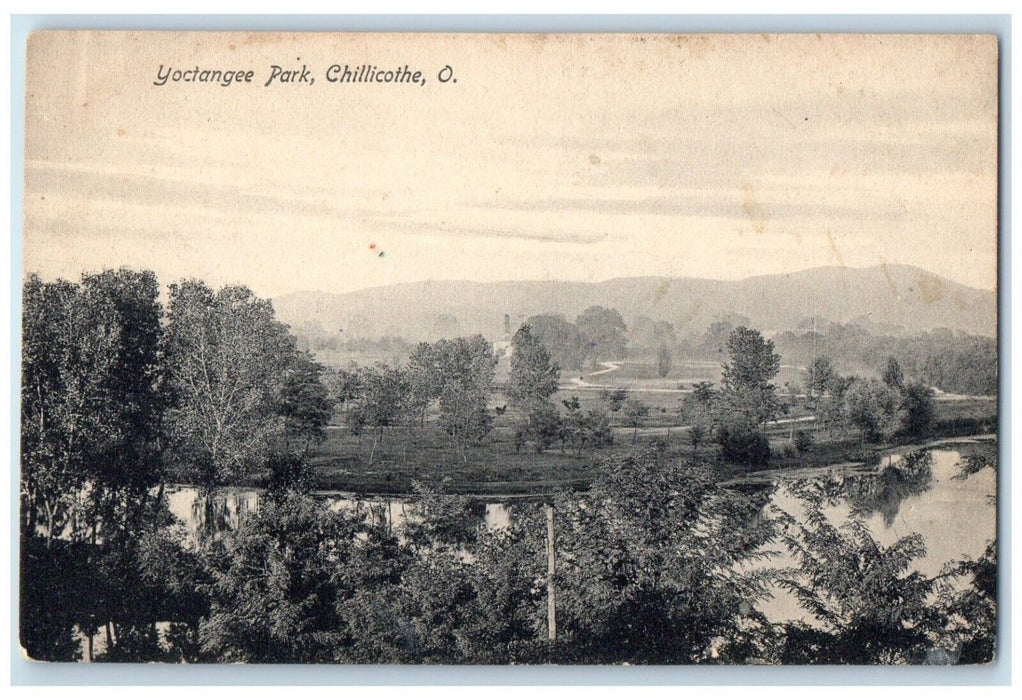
(885, 297)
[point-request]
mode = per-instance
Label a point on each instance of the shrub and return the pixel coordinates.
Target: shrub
(802, 440)
(741, 443)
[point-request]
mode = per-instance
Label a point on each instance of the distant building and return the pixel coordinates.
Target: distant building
(503, 347)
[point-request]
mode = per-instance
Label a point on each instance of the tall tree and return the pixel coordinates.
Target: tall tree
(92, 404)
(382, 400)
(917, 408)
(560, 337)
(871, 406)
(534, 377)
(228, 359)
(69, 342)
(91, 425)
(751, 367)
(646, 333)
(424, 379)
(602, 332)
(466, 367)
(819, 375)
(305, 404)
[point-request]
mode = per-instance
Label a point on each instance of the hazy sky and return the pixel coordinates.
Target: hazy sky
(579, 157)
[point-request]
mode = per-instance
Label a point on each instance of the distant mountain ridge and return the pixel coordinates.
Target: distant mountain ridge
(882, 296)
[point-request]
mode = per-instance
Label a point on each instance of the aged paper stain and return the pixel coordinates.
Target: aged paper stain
(753, 209)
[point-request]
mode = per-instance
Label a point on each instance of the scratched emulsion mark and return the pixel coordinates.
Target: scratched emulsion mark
(887, 276)
(833, 247)
(753, 209)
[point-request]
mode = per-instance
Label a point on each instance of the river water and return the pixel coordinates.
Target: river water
(924, 492)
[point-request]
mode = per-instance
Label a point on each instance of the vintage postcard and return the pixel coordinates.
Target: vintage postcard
(509, 348)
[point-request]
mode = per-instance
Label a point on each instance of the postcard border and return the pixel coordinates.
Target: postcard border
(999, 673)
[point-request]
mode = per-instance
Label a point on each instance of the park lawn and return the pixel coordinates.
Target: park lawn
(407, 454)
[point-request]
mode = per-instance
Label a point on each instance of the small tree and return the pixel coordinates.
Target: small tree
(802, 440)
(636, 414)
(742, 443)
(893, 376)
(614, 398)
(696, 434)
(542, 427)
(972, 611)
(870, 406)
(871, 608)
(581, 429)
(663, 361)
(464, 416)
(656, 566)
(917, 409)
(703, 392)
(275, 584)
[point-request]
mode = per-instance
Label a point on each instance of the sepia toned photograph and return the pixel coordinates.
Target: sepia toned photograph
(509, 349)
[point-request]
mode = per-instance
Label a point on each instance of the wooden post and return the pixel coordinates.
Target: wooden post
(551, 615)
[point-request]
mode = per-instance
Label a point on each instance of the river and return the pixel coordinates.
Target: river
(922, 492)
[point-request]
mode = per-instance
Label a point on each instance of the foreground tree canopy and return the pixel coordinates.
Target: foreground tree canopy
(229, 362)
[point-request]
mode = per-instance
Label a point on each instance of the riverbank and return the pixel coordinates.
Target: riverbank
(876, 457)
(495, 471)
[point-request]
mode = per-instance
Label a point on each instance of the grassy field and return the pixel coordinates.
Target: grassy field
(406, 454)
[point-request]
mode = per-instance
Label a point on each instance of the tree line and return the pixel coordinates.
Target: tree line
(957, 363)
(655, 562)
(454, 374)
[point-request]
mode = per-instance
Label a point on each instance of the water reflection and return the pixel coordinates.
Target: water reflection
(975, 458)
(926, 492)
(224, 510)
(885, 492)
(868, 493)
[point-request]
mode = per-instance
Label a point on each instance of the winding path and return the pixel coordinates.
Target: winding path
(608, 367)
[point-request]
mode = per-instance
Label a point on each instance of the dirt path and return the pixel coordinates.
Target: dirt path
(608, 368)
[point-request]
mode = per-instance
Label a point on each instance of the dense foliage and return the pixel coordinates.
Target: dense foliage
(953, 362)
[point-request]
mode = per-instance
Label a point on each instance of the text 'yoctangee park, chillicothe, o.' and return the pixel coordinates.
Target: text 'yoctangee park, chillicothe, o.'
(301, 74)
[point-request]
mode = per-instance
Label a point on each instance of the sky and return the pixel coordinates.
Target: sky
(583, 157)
